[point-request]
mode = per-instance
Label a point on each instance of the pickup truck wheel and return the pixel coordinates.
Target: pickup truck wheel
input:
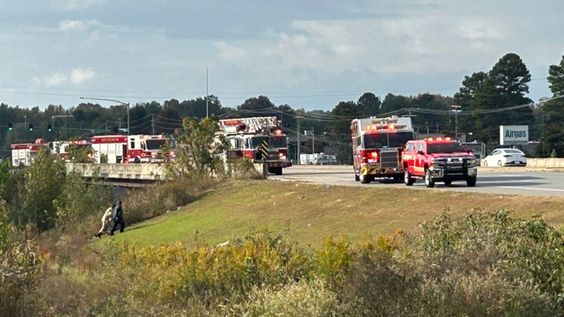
(407, 179)
(471, 181)
(365, 179)
(448, 182)
(356, 177)
(429, 182)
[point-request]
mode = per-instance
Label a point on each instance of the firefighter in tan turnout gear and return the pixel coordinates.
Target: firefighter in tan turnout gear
(106, 221)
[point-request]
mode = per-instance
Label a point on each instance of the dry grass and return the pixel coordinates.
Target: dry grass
(312, 212)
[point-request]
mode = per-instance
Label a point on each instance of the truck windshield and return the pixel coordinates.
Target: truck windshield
(257, 140)
(155, 144)
(278, 141)
(451, 147)
(380, 140)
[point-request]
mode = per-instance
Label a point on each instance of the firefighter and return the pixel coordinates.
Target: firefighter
(118, 219)
(106, 221)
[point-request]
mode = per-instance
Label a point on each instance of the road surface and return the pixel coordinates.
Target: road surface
(507, 180)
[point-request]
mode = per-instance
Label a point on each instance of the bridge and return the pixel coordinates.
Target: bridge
(126, 175)
(130, 175)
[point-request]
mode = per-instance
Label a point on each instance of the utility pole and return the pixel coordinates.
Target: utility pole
(298, 141)
(153, 122)
(207, 93)
(25, 121)
(456, 110)
(312, 141)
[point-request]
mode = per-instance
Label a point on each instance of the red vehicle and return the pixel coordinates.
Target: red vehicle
(109, 148)
(63, 148)
(377, 145)
(260, 139)
(23, 154)
(438, 160)
(146, 148)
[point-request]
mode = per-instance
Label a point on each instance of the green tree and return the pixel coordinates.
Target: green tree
(466, 98)
(369, 104)
(199, 148)
(339, 130)
(43, 180)
(552, 114)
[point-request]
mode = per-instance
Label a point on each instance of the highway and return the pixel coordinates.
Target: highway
(506, 180)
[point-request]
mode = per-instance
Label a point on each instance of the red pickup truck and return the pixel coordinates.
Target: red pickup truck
(438, 160)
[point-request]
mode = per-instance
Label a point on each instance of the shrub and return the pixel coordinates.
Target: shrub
(211, 274)
(20, 269)
(303, 298)
(242, 169)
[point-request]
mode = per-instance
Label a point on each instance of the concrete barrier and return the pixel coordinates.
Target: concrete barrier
(119, 171)
(545, 162)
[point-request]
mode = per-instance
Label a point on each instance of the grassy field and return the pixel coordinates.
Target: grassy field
(312, 212)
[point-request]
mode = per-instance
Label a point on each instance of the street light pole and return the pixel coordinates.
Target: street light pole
(456, 110)
(112, 100)
(207, 93)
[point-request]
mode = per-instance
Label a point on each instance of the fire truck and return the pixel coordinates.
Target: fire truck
(109, 148)
(23, 154)
(146, 148)
(129, 149)
(260, 139)
(377, 146)
(62, 148)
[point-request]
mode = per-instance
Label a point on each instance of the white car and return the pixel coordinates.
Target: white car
(504, 157)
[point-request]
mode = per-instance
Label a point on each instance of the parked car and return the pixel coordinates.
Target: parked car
(505, 157)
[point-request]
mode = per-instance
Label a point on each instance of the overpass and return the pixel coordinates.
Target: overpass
(126, 175)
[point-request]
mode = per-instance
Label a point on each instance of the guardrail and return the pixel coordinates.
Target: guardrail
(545, 162)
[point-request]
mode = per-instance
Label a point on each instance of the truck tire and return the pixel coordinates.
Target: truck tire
(471, 181)
(365, 179)
(407, 179)
(356, 177)
(429, 182)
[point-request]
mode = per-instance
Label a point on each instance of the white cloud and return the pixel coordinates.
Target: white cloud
(80, 75)
(75, 76)
(73, 5)
(76, 25)
(420, 43)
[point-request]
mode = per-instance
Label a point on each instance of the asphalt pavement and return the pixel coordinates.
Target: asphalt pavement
(505, 180)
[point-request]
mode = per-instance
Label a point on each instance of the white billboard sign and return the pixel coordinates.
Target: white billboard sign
(513, 134)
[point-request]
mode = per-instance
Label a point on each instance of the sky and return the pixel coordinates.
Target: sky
(306, 54)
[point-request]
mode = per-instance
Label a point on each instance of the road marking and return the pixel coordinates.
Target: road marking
(534, 188)
(506, 181)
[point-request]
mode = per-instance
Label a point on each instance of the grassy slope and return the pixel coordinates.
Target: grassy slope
(315, 211)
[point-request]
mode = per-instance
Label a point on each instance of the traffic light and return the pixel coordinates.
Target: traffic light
(30, 127)
(49, 128)
(10, 127)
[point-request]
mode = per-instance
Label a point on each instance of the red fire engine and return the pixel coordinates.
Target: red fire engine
(260, 139)
(62, 148)
(146, 148)
(377, 145)
(129, 149)
(23, 154)
(109, 148)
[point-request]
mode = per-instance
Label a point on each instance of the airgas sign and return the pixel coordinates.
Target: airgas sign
(513, 134)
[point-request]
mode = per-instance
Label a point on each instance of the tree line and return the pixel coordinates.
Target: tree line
(485, 99)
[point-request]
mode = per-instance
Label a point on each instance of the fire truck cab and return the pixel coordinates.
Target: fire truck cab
(438, 160)
(23, 154)
(145, 148)
(377, 146)
(260, 139)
